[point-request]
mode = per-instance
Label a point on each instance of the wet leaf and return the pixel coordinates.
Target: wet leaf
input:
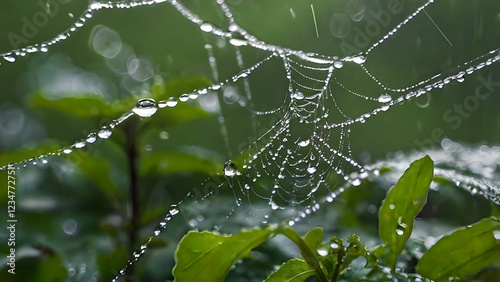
(208, 256)
(402, 204)
(295, 270)
(464, 252)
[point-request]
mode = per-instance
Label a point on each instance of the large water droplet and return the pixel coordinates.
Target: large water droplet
(297, 95)
(145, 107)
(384, 98)
(10, 57)
(230, 169)
(359, 60)
(338, 64)
(206, 27)
(105, 132)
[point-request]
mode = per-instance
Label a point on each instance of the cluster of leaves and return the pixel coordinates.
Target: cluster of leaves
(209, 256)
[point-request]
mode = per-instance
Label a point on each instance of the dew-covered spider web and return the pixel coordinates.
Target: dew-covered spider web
(292, 85)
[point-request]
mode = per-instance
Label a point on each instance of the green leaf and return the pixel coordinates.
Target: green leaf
(402, 204)
(90, 107)
(314, 237)
(208, 256)
(464, 252)
(295, 270)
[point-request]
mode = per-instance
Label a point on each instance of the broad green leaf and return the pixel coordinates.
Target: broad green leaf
(314, 237)
(90, 107)
(295, 270)
(464, 252)
(402, 204)
(164, 163)
(208, 256)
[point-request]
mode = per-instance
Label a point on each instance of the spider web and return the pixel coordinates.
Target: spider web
(303, 158)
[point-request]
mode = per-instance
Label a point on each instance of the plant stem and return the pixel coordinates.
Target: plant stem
(309, 255)
(132, 158)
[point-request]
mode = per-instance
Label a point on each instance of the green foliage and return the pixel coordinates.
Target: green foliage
(208, 256)
(402, 204)
(465, 252)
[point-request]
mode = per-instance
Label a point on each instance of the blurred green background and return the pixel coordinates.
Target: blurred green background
(73, 211)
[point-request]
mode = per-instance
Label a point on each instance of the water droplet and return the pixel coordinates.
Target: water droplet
(105, 132)
(359, 60)
(237, 42)
(297, 95)
(392, 206)
(79, 145)
(338, 64)
(157, 232)
(323, 253)
(91, 137)
(184, 98)
(400, 229)
(164, 135)
(174, 210)
(230, 169)
(384, 98)
(145, 107)
(172, 102)
(334, 245)
(311, 169)
(10, 57)
(304, 143)
(356, 182)
(206, 27)
(273, 205)
(67, 151)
